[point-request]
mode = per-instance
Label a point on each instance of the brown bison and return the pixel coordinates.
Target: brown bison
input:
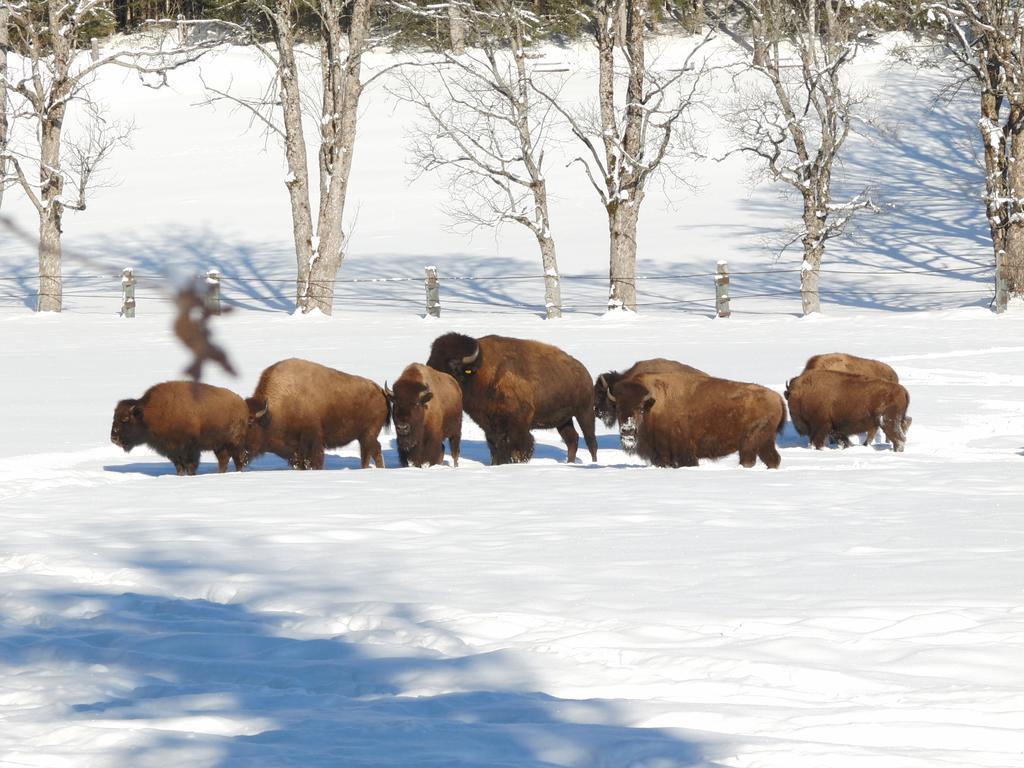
(301, 408)
(426, 407)
(673, 419)
(180, 419)
(862, 366)
(834, 404)
(510, 386)
(605, 410)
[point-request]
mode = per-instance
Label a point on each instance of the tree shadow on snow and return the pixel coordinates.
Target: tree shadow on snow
(212, 684)
(927, 248)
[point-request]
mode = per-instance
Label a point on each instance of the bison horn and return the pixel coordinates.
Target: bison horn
(387, 390)
(601, 381)
(472, 358)
(611, 397)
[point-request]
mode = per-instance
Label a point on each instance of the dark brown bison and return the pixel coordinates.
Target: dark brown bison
(673, 419)
(180, 419)
(825, 404)
(862, 366)
(301, 408)
(510, 386)
(605, 410)
(426, 407)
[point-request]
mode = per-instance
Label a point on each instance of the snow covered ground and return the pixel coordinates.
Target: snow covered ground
(853, 608)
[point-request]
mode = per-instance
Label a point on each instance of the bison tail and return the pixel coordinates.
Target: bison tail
(389, 415)
(782, 423)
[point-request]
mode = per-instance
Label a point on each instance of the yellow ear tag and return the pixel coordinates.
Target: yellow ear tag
(468, 372)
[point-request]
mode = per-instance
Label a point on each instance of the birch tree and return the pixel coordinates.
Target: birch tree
(639, 121)
(5, 44)
(797, 119)
(484, 129)
(986, 40)
(48, 78)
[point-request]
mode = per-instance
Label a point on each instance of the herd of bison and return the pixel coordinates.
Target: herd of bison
(669, 414)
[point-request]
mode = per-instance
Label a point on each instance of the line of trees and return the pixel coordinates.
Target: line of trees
(487, 115)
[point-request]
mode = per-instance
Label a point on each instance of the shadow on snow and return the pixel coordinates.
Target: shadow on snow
(172, 664)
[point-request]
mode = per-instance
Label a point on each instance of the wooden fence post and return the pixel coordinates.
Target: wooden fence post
(94, 48)
(213, 291)
(433, 295)
(722, 290)
(1002, 283)
(127, 292)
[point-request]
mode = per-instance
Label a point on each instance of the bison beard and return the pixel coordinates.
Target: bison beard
(510, 386)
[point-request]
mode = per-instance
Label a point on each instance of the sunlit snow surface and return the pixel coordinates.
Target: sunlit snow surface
(854, 608)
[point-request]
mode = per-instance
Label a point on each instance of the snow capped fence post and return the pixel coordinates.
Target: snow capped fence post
(127, 292)
(213, 291)
(722, 290)
(433, 295)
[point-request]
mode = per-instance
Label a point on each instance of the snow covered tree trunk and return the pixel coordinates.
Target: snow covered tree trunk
(622, 221)
(297, 178)
(5, 44)
(1014, 242)
(813, 241)
(552, 280)
(456, 27)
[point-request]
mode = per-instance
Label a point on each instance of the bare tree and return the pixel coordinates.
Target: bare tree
(633, 131)
(484, 130)
(5, 44)
(53, 74)
(986, 39)
(797, 119)
(343, 27)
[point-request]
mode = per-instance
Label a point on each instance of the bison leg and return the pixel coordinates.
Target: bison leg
(454, 445)
(369, 448)
(587, 422)
(820, 436)
(869, 438)
(572, 440)
(769, 454)
(748, 457)
(521, 445)
(223, 457)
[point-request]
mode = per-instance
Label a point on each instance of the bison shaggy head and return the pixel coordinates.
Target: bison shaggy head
(129, 427)
(409, 406)
(632, 401)
(456, 354)
(604, 406)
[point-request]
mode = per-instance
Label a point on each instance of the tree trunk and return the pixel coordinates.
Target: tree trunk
(1013, 243)
(5, 15)
(297, 179)
(456, 27)
(622, 220)
(552, 280)
(814, 250)
(51, 186)
(341, 109)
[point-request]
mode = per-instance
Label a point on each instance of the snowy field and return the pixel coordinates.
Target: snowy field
(852, 608)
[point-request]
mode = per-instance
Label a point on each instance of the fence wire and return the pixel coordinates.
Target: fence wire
(100, 293)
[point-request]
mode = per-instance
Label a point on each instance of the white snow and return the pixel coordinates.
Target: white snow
(855, 607)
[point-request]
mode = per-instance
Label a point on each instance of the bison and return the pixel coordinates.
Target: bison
(673, 419)
(510, 386)
(426, 407)
(834, 404)
(180, 419)
(301, 408)
(863, 366)
(605, 410)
